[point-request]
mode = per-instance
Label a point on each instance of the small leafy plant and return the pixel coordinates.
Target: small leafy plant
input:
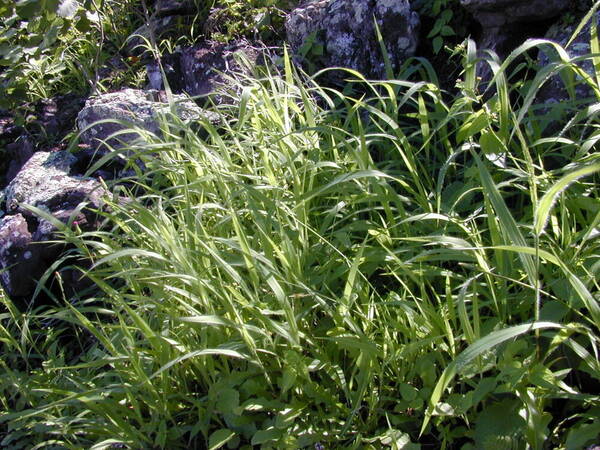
(445, 21)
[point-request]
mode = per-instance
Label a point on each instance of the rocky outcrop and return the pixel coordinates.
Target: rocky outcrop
(174, 7)
(27, 249)
(505, 24)
(554, 91)
(202, 69)
(342, 33)
(130, 107)
(498, 13)
(50, 121)
(20, 267)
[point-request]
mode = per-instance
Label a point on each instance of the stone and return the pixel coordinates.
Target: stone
(202, 70)
(18, 153)
(27, 247)
(506, 24)
(498, 13)
(174, 7)
(45, 183)
(19, 266)
(49, 122)
(554, 90)
(127, 108)
(347, 33)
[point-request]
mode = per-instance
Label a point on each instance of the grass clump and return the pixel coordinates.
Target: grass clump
(386, 267)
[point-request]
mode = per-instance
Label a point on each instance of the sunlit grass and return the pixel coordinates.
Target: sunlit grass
(367, 269)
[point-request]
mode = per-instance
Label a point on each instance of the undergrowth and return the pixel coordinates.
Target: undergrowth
(386, 267)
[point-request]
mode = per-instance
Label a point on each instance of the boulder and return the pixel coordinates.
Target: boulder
(506, 24)
(45, 182)
(27, 249)
(554, 90)
(18, 153)
(130, 107)
(342, 33)
(498, 13)
(50, 120)
(20, 268)
(201, 70)
(174, 7)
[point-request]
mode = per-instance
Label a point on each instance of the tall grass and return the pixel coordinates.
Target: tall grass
(387, 267)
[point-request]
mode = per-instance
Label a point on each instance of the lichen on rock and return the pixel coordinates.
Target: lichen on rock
(347, 31)
(119, 111)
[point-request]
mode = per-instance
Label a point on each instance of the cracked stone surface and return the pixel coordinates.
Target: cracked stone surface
(44, 182)
(497, 13)
(202, 69)
(347, 32)
(131, 107)
(554, 91)
(26, 247)
(20, 267)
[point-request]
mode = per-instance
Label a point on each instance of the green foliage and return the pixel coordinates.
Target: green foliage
(29, 31)
(447, 25)
(386, 267)
(232, 19)
(386, 270)
(55, 46)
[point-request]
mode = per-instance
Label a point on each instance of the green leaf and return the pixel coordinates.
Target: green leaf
(27, 9)
(219, 438)
(408, 392)
(262, 436)
(583, 434)
(438, 42)
(474, 125)
(499, 426)
(490, 143)
(545, 204)
(227, 401)
(473, 351)
(510, 228)
(447, 31)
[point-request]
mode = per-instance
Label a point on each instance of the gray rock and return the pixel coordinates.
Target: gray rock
(203, 70)
(203, 66)
(126, 108)
(27, 249)
(497, 13)
(19, 267)
(346, 30)
(506, 24)
(174, 7)
(44, 182)
(554, 90)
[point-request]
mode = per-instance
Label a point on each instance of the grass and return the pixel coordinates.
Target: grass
(390, 266)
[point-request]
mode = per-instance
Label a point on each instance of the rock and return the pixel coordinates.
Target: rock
(498, 13)
(505, 24)
(45, 182)
(20, 268)
(346, 30)
(18, 153)
(171, 64)
(124, 109)
(199, 70)
(26, 247)
(49, 122)
(174, 7)
(554, 90)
